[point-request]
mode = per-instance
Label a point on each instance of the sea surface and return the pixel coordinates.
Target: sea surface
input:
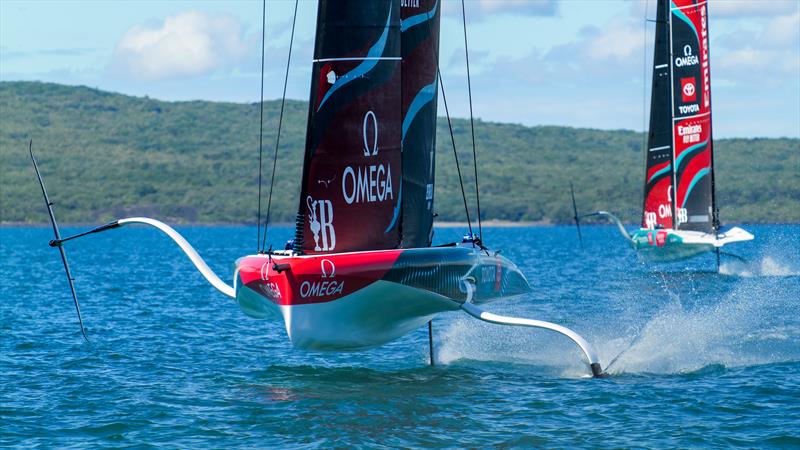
(703, 359)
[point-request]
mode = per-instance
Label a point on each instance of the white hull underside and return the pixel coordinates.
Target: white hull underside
(379, 313)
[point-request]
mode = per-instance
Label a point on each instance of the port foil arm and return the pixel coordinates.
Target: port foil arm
(187, 248)
(614, 219)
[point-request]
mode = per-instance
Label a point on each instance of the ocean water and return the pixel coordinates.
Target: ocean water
(702, 359)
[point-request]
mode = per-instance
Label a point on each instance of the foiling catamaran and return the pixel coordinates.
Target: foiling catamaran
(680, 218)
(361, 271)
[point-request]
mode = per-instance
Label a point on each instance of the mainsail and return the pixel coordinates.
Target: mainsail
(368, 172)
(658, 156)
(420, 48)
(679, 187)
(350, 190)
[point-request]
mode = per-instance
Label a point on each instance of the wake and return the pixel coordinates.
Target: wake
(730, 334)
(764, 267)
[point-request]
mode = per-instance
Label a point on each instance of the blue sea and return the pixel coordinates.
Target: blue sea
(703, 359)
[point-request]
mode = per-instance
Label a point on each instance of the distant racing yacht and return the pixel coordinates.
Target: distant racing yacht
(680, 218)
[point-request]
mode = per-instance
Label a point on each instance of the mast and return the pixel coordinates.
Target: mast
(691, 116)
(420, 51)
(352, 172)
(657, 208)
(715, 224)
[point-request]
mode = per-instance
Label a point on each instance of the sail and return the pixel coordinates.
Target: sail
(350, 188)
(691, 88)
(420, 49)
(658, 155)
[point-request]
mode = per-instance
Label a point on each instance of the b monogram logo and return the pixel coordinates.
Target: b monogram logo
(320, 220)
(683, 215)
(650, 220)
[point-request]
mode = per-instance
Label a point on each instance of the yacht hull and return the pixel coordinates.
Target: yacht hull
(666, 245)
(359, 300)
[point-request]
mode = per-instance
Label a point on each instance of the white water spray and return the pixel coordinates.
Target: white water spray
(757, 322)
(764, 267)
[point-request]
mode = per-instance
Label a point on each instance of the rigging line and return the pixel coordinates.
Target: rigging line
(280, 124)
(455, 154)
(450, 127)
(471, 122)
(261, 119)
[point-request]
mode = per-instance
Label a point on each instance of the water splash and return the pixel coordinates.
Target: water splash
(552, 354)
(764, 267)
(754, 323)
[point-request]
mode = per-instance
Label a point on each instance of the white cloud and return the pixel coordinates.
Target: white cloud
(620, 39)
(187, 44)
(784, 30)
(767, 54)
(478, 10)
(740, 9)
(527, 7)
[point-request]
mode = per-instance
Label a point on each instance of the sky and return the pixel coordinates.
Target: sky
(582, 63)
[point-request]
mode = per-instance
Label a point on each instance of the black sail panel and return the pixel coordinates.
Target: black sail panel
(657, 210)
(691, 85)
(352, 169)
(420, 49)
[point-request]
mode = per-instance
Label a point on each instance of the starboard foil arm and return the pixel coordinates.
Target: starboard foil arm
(614, 219)
(586, 348)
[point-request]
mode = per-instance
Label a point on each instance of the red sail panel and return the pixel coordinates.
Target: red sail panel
(692, 156)
(657, 210)
(352, 168)
(420, 49)
(691, 88)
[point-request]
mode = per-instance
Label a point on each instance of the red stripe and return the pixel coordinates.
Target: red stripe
(315, 279)
(655, 169)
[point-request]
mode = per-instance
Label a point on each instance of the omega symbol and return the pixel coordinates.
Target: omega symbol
(374, 150)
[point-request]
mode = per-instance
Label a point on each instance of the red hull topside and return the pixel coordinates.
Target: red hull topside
(293, 280)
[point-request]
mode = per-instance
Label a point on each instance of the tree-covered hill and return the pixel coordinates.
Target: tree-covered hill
(106, 155)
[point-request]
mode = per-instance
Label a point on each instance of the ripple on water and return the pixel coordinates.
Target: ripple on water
(706, 360)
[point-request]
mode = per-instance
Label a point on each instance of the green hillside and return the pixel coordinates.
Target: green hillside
(106, 155)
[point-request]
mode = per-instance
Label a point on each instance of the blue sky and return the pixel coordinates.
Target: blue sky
(549, 62)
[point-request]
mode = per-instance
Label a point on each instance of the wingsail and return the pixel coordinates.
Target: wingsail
(350, 189)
